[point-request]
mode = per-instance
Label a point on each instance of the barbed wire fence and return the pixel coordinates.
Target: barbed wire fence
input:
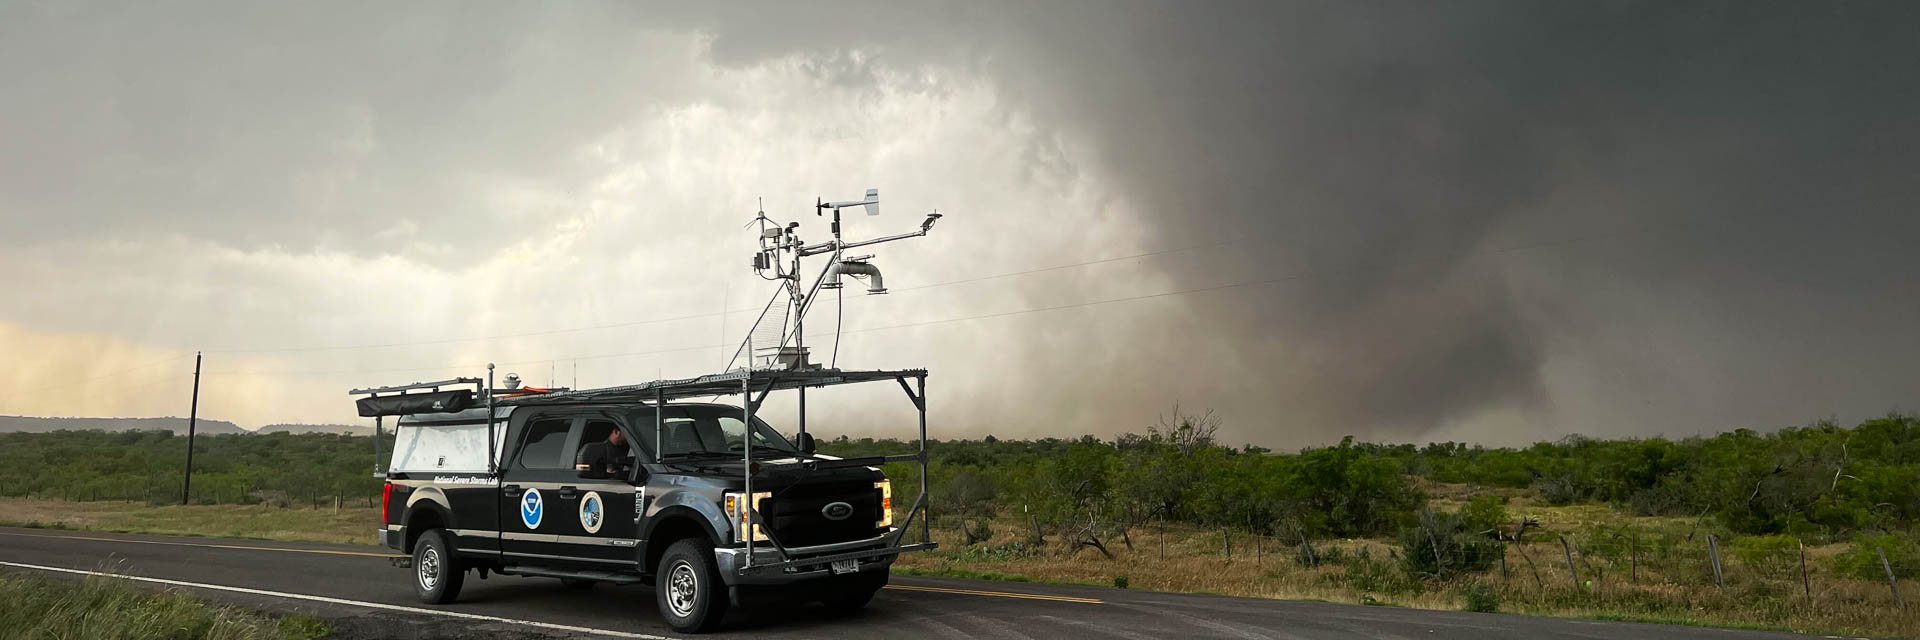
(1554, 560)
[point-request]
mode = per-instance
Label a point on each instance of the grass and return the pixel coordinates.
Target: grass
(350, 525)
(1671, 581)
(35, 608)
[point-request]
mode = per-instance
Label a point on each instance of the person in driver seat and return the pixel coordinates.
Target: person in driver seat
(610, 456)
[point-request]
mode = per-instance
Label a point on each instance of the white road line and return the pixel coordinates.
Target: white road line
(356, 603)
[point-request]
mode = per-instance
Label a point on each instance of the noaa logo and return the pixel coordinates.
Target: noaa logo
(836, 511)
(592, 513)
(531, 508)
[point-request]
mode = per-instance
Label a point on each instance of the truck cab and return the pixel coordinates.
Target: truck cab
(705, 501)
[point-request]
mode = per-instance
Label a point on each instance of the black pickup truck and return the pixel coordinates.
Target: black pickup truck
(624, 486)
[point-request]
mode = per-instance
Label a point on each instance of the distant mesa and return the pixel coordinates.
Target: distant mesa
(25, 424)
(28, 424)
(348, 429)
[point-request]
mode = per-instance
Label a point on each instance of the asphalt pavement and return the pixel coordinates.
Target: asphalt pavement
(367, 597)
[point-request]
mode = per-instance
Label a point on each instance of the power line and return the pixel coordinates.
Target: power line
(1164, 294)
(81, 383)
(714, 314)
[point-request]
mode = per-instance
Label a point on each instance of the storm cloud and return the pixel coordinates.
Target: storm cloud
(1407, 221)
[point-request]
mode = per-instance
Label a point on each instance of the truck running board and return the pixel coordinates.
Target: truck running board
(596, 576)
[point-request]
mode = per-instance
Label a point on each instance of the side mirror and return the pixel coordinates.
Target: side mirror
(806, 443)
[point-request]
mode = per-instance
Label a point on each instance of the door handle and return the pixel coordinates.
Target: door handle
(512, 490)
(568, 492)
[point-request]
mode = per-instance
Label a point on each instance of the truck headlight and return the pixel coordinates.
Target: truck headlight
(736, 506)
(886, 503)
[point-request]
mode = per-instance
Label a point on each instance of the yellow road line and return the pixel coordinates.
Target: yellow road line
(1001, 594)
(210, 546)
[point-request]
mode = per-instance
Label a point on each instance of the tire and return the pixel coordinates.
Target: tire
(437, 572)
(688, 588)
(854, 592)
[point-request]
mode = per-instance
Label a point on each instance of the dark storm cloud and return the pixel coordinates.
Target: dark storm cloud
(1381, 147)
(1497, 221)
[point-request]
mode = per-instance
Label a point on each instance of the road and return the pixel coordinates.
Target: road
(357, 587)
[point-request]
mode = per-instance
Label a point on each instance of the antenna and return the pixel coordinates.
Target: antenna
(779, 259)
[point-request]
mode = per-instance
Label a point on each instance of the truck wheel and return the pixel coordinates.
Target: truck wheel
(855, 591)
(688, 588)
(437, 574)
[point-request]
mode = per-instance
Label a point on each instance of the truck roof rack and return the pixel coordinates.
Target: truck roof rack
(718, 384)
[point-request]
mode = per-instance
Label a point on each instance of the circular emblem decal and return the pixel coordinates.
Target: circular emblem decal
(592, 512)
(531, 508)
(836, 511)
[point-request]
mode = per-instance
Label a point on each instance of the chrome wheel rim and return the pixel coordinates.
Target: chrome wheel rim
(429, 568)
(682, 588)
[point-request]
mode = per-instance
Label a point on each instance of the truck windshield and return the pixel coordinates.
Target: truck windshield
(707, 429)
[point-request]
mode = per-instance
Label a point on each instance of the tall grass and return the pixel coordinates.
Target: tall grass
(36, 608)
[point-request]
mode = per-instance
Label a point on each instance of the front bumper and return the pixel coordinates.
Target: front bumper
(806, 563)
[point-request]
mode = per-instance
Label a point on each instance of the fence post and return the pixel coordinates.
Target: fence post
(1537, 582)
(1226, 537)
(1804, 584)
(1633, 557)
(1567, 548)
(1713, 553)
(1163, 541)
(1504, 574)
(1892, 585)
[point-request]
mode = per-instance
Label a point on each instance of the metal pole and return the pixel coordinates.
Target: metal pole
(803, 410)
(926, 522)
(746, 449)
(1892, 584)
(1713, 554)
(377, 469)
(659, 423)
(491, 455)
(193, 418)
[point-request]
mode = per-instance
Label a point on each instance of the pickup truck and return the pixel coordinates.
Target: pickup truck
(605, 486)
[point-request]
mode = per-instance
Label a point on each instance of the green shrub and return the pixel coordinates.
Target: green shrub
(1771, 556)
(1862, 559)
(1120, 582)
(1483, 513)
(1482, 597)
(1440, 547)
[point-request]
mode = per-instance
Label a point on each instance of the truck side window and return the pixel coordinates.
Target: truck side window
(598, 430)
(545, 443)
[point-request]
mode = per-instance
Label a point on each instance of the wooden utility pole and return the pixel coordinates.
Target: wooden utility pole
(193, 417)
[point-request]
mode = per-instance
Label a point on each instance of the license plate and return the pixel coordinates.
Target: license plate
(845, 566)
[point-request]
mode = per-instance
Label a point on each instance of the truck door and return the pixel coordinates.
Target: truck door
(537, 491)
(605, 507)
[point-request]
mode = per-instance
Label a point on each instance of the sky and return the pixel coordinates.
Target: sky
(1496, 222)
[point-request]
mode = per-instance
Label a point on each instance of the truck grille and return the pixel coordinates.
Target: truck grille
(798, 522)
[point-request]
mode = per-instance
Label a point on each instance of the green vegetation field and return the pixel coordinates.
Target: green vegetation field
(36, 608)
(1796, 521)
